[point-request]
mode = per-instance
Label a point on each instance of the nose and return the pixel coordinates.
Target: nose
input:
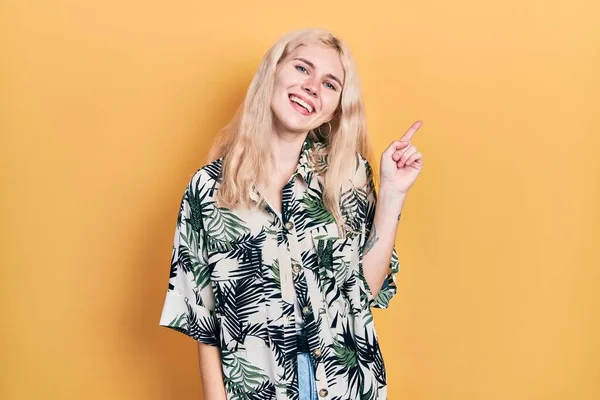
(310, 87)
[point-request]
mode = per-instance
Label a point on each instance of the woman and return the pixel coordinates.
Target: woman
(279, 252)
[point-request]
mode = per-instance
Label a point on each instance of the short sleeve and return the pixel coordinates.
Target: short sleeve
(388, 289)
(190, 301)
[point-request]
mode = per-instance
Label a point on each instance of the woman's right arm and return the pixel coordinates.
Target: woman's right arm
(213, 387)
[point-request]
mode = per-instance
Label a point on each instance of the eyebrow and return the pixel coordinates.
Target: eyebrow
(304, 60)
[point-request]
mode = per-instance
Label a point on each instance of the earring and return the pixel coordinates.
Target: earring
(328, 133)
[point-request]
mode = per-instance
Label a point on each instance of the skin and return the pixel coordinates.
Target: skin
(401, 164)
(211, 372)
(308, 71)
(316, 74)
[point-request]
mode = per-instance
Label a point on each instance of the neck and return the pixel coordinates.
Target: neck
(285, 150)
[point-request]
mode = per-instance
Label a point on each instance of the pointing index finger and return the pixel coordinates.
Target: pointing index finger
(412, 130)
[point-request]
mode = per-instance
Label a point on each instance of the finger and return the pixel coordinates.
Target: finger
(398, 153)
(416, 158)
(395, 146)
(405, 156)
(412, 130)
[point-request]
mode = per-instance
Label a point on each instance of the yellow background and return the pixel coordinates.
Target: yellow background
(108, 107)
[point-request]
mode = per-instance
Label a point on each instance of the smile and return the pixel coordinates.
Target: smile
(302, 106)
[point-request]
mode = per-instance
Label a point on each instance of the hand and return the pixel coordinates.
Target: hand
(401, 163)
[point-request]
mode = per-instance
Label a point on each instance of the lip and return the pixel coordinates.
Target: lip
(305, 100)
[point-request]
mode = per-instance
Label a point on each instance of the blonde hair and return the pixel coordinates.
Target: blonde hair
(244, 142)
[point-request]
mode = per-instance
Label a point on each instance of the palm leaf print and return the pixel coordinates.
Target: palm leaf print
(344, 360)
(370, 395)
(247, 251)
(369, 208)
(320, 158)
(369, 355)
(264, 392)
(388, 288)
(277, 342)
(346, 356)
(286, 199)
(223, 227)
(282, 239)
(353, 205)
(179, 323)
(258, 330)
(384, 295)
(192, 260)
(293, 390)
(290, 346)
(330, 265)
(214, 170)
(243, 377)
(240, 299)
(227, 266)
(194, 219)
(186, 256)
(272, 279)
(356, 305)
(316, 211)
(310, 261)
(202, 329)
(295, 209)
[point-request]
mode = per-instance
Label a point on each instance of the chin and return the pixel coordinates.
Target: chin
(292, 124)
(298, 128)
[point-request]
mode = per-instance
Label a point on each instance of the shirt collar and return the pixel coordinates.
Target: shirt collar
(306, 169)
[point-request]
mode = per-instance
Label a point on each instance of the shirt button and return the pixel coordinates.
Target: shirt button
(296, 268)
(289, 225)
(305, 310)
(318, 352)
(323, 392)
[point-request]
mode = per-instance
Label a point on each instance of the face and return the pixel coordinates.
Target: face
(308, 86)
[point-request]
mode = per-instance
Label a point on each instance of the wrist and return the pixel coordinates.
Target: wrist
(390, 193)
(389, 206)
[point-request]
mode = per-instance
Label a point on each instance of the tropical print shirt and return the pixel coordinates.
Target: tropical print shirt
(236, 274)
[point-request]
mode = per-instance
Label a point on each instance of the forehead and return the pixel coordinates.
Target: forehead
(325, 59)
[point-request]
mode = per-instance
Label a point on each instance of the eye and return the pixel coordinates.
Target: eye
(301, 69)
(330, 86)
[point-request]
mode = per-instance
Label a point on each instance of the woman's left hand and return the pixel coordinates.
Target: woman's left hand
(401, 163)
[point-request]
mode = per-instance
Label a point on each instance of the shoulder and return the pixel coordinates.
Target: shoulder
(208, 174)
(203, 182)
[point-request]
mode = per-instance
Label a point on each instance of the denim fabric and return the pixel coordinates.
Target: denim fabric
(307, 387)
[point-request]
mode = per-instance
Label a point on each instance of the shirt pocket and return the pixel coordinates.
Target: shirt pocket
(334, 253)
(336, 257)
(236, 272)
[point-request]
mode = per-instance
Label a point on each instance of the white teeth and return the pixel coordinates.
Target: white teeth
(302, 103)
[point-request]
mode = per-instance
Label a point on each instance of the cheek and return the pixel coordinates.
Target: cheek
(285, 78)
(331, 101)
(280, 93)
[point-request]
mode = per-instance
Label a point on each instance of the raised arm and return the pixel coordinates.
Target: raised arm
(401, 164)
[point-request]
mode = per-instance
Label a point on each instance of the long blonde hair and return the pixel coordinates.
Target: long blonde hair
(244, 142)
